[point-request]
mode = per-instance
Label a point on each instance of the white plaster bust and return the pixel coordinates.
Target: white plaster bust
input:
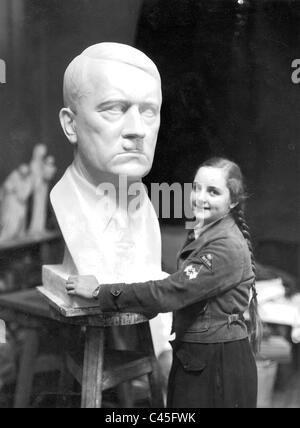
(112, 97)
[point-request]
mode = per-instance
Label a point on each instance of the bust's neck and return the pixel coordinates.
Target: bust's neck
(121, 184)
(98, 177)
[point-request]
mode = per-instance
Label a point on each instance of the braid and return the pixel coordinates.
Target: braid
(236, 186)
(255, 321)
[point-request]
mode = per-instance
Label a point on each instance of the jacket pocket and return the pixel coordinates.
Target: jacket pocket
(190, 361)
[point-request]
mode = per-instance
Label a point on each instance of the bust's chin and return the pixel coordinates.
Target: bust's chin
(132, 170)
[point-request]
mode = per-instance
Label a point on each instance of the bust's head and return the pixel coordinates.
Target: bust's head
(112, 97)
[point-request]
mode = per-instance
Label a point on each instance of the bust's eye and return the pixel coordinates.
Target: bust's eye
(117, 108)
(114, 108)
(149, 112)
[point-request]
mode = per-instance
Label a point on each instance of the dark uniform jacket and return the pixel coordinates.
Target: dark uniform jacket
(208, 294)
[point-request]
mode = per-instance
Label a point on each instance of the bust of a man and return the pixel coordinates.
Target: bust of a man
(111, 116)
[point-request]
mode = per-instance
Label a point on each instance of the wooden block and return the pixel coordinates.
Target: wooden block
(86, 316)
(54, 282)
(65, 310)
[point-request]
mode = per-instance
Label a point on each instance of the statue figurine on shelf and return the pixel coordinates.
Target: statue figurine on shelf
(43, 170)
(29, 179)
(15, 193)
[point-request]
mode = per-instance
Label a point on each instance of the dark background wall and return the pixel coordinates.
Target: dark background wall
(226, 71)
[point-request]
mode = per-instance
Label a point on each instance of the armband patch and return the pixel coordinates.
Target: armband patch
(206, 259)
(192, 271)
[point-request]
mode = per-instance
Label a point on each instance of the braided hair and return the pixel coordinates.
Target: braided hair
(236, 186)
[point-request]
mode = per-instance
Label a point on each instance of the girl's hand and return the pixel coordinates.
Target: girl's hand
(82, 286)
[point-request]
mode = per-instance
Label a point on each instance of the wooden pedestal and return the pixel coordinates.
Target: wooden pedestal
(103, 368)
(100, 368)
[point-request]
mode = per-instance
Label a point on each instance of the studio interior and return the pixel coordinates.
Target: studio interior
(230, 84)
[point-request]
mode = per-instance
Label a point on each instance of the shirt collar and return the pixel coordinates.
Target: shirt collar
(199, 231)
(211, 230)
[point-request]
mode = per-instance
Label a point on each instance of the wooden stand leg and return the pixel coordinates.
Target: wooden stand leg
(65, 385)
(93, 368)
(154, 377)
(124, 389)
(125, 395)
(67, 338)
(26, 370)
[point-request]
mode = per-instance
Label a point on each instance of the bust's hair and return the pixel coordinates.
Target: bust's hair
(76, 73)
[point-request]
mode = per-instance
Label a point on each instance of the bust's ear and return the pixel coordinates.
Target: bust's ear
(67, 121)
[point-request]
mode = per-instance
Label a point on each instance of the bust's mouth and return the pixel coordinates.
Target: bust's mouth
(132, 155)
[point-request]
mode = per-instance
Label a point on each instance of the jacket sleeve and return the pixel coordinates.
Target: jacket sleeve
(212, 271)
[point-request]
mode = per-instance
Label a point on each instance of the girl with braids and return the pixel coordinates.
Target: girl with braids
(213, 363)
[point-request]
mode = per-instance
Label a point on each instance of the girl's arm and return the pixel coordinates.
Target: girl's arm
(211, 271)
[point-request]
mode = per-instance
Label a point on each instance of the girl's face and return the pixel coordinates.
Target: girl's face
(210, 197)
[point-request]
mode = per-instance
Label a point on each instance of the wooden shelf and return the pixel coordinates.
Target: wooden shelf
(29, 240)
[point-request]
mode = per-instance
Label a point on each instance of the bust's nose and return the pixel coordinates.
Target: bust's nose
(134, 129)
